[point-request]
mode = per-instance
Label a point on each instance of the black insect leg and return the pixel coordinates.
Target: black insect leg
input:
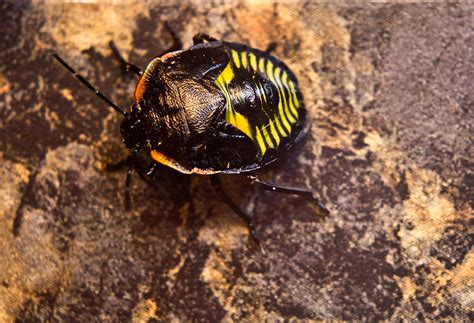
(151, 171)
(200, 38)
(126, 66)
(131, 160)
(287, 190)
(112, 167)
(216, 184)
(147, 174)
(176, 45)
(271, 47)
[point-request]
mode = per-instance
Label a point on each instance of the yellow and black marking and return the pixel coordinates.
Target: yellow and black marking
(262, 98)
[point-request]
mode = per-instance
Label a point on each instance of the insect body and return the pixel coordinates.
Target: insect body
(216, 107)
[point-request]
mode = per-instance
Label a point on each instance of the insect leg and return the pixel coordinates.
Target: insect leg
(126, 66)
(151, 171)
(216, 184)
(112, 167)
(147, 174)
(288, 190)
(128, 179)
(200, 38)
(271, 47)
(177, 45)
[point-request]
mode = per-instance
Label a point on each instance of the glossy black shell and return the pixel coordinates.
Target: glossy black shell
(216, 107)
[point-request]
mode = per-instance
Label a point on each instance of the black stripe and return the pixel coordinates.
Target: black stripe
(268, 144)
(277, 116)
(273, 139)
(286, 92)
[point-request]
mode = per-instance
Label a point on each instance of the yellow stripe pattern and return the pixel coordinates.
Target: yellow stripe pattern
(232, 116)
(269, 135)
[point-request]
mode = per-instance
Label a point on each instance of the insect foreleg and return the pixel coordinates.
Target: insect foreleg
(200, 38)
(131, 160)
(176, 45)
(126, 66)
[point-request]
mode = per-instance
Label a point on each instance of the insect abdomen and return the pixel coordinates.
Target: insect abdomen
(262, 96)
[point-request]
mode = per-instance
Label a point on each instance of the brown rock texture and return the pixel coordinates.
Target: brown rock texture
(389, 89)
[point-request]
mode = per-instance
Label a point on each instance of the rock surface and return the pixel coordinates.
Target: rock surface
(389, 89)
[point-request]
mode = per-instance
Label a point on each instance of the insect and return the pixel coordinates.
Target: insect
(214, 108)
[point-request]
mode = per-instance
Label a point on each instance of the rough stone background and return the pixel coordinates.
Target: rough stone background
(390, 91)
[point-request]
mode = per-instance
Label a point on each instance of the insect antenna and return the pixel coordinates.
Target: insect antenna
(89, 86)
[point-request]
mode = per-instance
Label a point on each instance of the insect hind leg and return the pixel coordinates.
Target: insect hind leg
(253, 179)
(216, 184)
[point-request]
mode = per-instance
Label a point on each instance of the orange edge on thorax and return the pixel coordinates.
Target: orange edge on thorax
(140, 89)
(165, 160)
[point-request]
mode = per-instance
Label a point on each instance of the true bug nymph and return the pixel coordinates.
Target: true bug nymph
(216, 107)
